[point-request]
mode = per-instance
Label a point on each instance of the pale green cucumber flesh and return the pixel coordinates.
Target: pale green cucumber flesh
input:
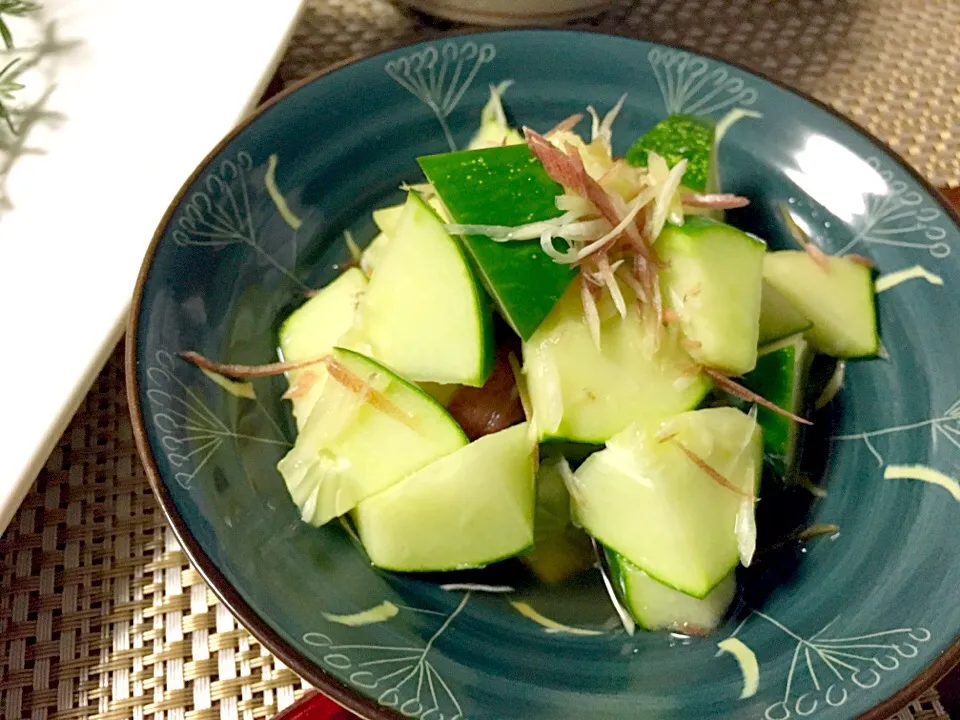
(644, 498)
(468, 509)
(778, 318)
(781, 377)
(359, 442)
(583, 394)
(655, 606)
(711, 279)
(839, 300)
(423, 314)
(386, 219)
(560, 549)
(313, 329)
(371, 254)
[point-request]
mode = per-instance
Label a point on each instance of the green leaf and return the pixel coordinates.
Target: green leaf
(6, 35)
(504, 186)
(8, 87)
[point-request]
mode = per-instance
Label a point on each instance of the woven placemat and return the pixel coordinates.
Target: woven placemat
(101, 615)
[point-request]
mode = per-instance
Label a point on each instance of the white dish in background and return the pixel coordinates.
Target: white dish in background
(136, 94)
(510, 12)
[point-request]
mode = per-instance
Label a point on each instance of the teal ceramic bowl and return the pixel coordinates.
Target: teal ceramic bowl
(854, 624)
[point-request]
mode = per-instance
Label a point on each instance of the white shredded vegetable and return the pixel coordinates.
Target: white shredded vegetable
(546, 244)
(832, 387)
(590, 312)
(606, 274)
(746, 530)
(606, 125)
(641, 201)
(473, 587)
(727, 121)
(667, 196)
(626, 620)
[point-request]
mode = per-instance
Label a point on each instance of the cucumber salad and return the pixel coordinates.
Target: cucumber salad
(557, 355)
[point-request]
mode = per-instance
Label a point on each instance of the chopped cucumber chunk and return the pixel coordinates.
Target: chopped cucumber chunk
(676, 138)
(387, 219)
(646, 498)
(504, 186)
(468, 509)
(778, 318)
(656, 606)
(583, 394)
(313, 330)
(423, 314)
(368, 430)
(559, 549)
(372, 253)
(781, 377)
(712, 280)
(839, 300)
(494, 130)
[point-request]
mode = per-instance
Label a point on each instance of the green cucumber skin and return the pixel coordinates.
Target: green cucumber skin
(712, 280)
(781, 376)
(805, 285)
(619, 568)
(482, 300)
(678, 525)
(676, 138)
(601, 391)
(390, 313)
(315, 327)
(504, 186)
(457, 486)
(400, 380)
(453, 568)
(700, 595)
(778, 318)
(333, 465)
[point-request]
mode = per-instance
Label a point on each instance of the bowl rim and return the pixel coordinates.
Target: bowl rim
(315, 675)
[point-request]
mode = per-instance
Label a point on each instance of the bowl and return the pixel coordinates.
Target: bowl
(856, 623)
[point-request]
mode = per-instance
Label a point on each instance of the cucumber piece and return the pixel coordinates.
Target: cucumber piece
(781, 377)
(840, 300)
(314, 329)
(778, 318)
(644, 498)
(676, 138)
(559, 549)
(368, 430)
(583, 394)
(711, 279)
(494, 130)
(424, 314)
(386, 219)
(657, 607)
(504, 186)
(372, 253)
(466, 510)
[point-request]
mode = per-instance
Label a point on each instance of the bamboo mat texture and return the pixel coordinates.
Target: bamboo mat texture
(101, 615)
